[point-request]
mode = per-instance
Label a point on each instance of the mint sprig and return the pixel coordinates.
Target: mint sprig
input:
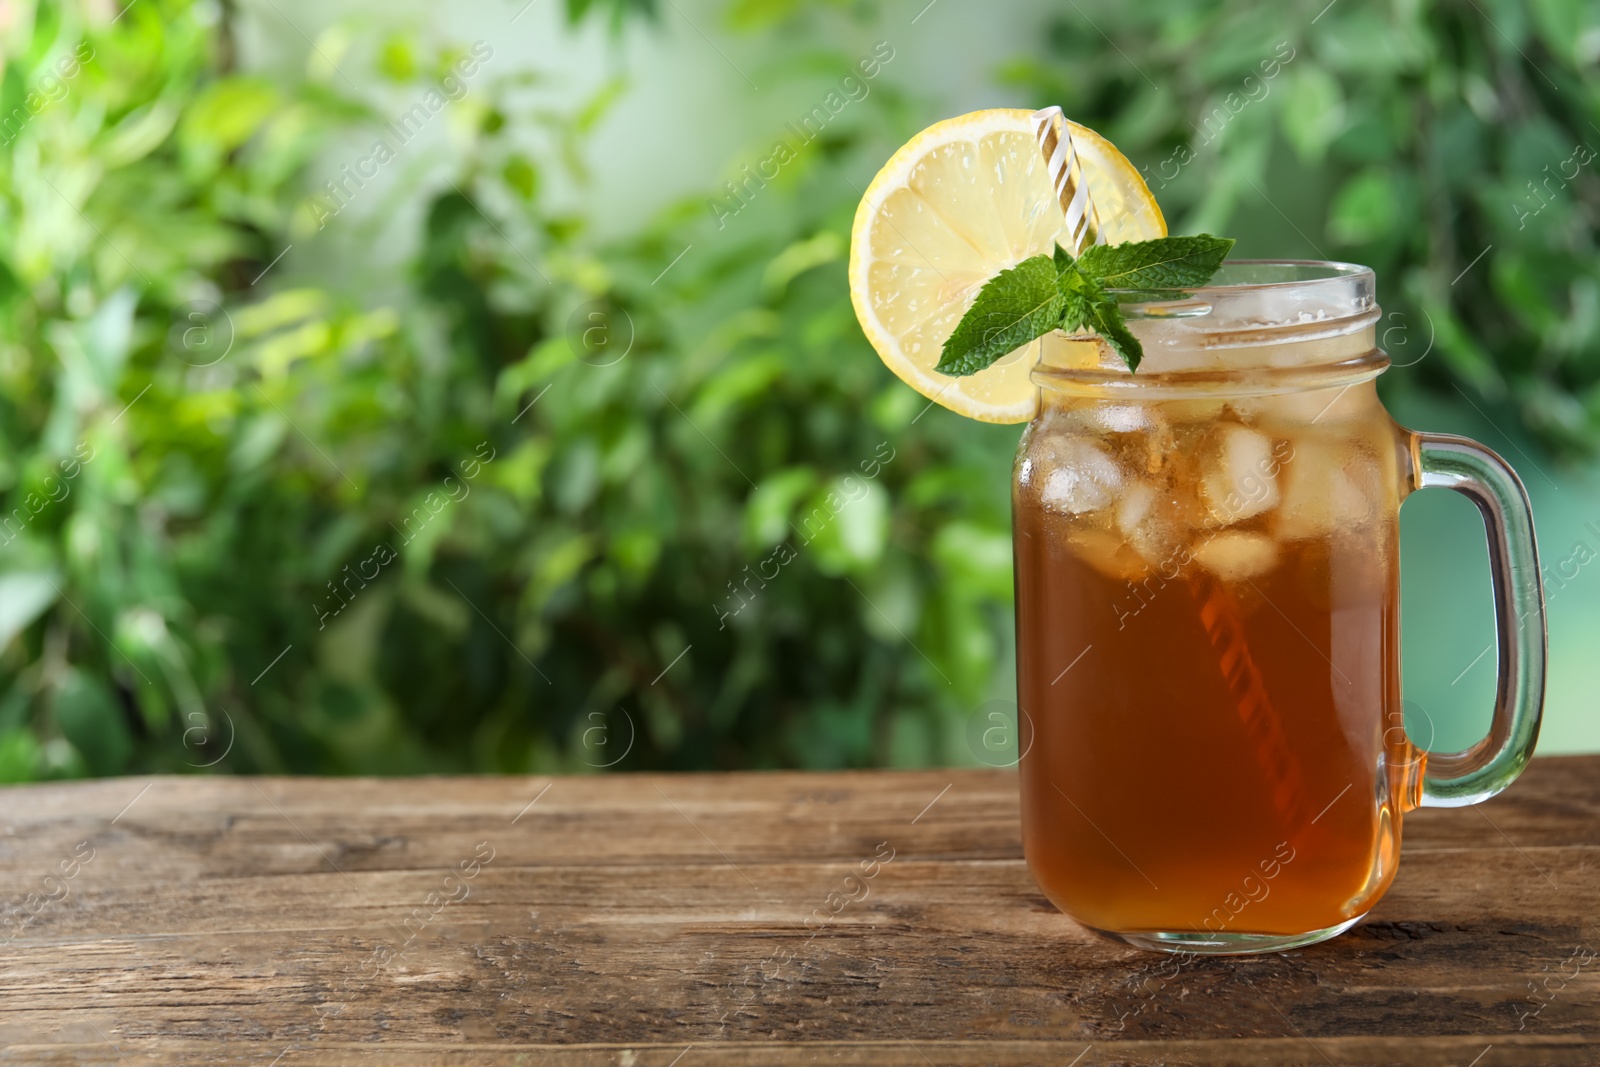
(1012, 308)
(1165, 263)
(1047, 293)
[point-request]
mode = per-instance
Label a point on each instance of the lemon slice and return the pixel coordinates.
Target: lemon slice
(964, 200)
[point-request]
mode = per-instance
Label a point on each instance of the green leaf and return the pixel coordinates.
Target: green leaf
(1060, 292)
(1365, 209)
(846, 528)
(976, 559)
(229, 112)
(1312, 112)
(767, 511)
(520, 174)
(397, 58)
(1075, 301)
(1014, 307)
(19, 756)
(89, 717)
(801, 256)
(1106, 318)
(1075, 292)
(1164, 263)
(24, 596)
(600, 104)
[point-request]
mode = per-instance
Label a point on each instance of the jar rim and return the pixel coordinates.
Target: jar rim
(1189, 385)
(1261, 326)
(1309, 272)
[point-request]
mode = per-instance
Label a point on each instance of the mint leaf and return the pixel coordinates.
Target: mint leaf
(1164, 263)
(1074, 312)
(1014, 307)
(1076, 291)
(1060, 292)
(1106, 318)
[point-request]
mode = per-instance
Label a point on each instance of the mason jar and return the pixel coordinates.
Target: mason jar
(1214, 756)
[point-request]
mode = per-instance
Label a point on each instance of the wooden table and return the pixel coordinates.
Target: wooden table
(693, 920)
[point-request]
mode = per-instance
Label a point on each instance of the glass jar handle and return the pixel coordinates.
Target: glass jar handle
(1455, 779)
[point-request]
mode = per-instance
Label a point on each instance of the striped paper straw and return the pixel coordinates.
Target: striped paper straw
(1224, 626)
(1219, 612)
(1055, 141)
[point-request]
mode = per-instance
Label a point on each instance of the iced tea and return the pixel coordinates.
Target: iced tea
(1208, 675)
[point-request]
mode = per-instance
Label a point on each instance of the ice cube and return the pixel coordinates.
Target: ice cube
(1135, 506)
(1106, 552)
(1175, 345)
(1095, 418)
(1235, 556)
(1081, 477)
(1239, 479)
(1312, 407)
(1159, 440)
(1118, 418)
(1194, 410)
(1327, 488)
(1147, 520)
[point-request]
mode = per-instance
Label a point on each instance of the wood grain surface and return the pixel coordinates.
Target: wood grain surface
(678, 921)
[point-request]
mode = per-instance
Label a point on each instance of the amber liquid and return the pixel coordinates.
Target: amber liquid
(1213, 748)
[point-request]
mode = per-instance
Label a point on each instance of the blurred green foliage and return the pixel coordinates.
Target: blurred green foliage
(571, 501)
(472, 548)
(1449, 145)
